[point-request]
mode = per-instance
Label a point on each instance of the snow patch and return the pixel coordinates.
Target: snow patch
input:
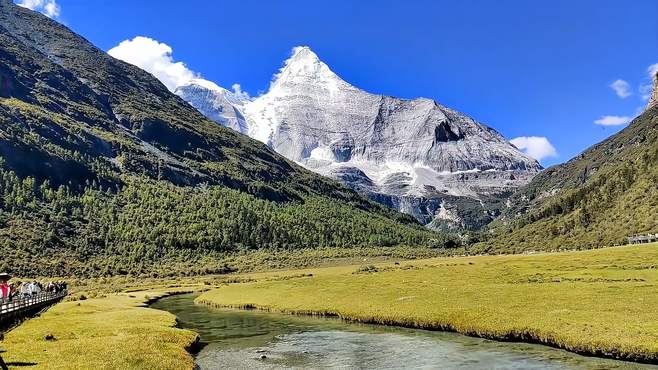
(445, 214)
(323, 153)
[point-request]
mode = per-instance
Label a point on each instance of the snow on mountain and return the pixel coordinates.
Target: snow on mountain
(414, 155)
(216, 103)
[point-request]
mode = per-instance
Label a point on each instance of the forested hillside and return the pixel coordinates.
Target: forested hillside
(104, 171)
(597, 199)
(150, 224)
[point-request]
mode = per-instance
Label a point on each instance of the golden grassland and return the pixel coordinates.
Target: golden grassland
(105, 324)
(116, 331)
(602, 302)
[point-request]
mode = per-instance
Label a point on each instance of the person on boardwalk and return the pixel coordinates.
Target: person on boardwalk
(14, 290)
(6, 291)
(5, 288)
(36, 288)
(26, 290)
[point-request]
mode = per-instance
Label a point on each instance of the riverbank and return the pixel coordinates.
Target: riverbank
(598, 302)
(116, 331)
(252, 339)
(105, 322)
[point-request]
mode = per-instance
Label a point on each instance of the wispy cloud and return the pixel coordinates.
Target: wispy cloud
(612, 120)
(537, 147)
(646, 89)
(621, 88)
(47, 7)
(237, 90)
(653, 70)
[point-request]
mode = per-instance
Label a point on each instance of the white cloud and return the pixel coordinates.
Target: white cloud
(645, 91)
(537, 147)
(612, 120)
(652, 69)
(621, 88)
(156, 58)
(47, 7)
(237, 90)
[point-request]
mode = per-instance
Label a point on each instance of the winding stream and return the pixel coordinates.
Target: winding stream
(234, 339)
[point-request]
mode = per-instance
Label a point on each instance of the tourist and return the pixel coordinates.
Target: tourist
(5, 289)
(36, 288)
(26, 290)
(14, 290)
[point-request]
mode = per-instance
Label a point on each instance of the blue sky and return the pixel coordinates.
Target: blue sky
(526, 68)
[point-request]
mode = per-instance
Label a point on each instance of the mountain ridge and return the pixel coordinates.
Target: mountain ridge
(104, 171)
(410, 154)
(598, 198)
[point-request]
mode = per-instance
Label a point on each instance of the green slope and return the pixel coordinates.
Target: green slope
(105, 171)
(607, 193)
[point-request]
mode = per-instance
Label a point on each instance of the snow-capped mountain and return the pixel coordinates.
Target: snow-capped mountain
(414, 155)
(216, 103)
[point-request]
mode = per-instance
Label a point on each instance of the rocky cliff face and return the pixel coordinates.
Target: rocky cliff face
(414, 155)
(216, 103)
(653, 101)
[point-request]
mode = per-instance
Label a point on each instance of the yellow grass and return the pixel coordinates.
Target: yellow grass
(602, 302)
(113, 332)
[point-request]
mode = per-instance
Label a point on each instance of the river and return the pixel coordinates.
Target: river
(236, 339)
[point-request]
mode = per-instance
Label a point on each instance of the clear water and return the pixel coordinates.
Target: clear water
(234, 339)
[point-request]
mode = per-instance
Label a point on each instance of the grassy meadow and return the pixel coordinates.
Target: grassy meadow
(115, 331)
(602, 302)
(105, 323)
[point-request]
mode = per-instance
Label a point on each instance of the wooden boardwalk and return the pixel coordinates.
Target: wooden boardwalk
(20, 308)
(643, 238)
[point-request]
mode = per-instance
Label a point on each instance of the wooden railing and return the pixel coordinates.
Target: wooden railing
(643, 238)
(18, 304)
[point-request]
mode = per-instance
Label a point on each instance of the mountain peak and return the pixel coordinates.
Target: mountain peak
(203, 83)
(300, 53)
(303, 67)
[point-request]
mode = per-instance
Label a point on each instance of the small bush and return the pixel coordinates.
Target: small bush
(366, 269)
